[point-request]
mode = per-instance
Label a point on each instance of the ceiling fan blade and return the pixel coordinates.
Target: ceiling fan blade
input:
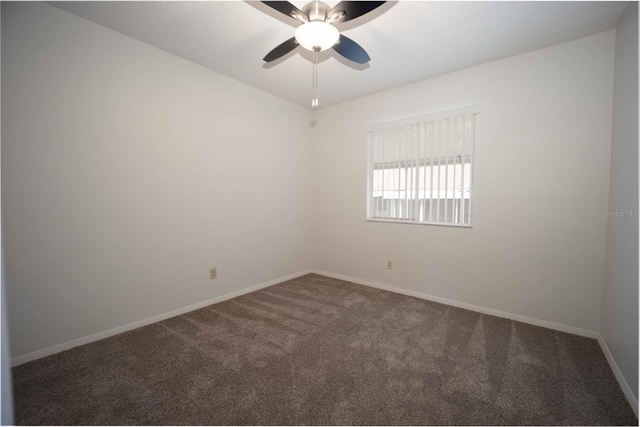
(288, 9)
(352, 9)
(351, 50)
(281, 50)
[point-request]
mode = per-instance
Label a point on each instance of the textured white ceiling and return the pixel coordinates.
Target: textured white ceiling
(407, 40)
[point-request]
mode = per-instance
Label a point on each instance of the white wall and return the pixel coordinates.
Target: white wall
(541, 186)
(620, 297)
(128, 172)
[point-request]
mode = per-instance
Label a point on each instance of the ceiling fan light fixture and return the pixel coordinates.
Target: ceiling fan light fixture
(317, 34)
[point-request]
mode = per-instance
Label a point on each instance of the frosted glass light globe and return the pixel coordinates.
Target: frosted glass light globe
(317, 33)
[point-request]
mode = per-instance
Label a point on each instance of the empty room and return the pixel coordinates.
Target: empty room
(308, 213)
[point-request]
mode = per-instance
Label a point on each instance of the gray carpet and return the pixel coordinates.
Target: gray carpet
(316, 350)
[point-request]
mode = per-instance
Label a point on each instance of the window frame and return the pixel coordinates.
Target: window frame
(473, 110)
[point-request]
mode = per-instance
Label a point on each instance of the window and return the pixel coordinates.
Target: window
(421, 169)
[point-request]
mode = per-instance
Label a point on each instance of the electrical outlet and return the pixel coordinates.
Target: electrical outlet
(213, 273)
(390, 265)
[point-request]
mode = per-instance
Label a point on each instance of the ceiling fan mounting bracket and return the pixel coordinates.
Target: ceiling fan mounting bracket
(299, 16)
(336, 16)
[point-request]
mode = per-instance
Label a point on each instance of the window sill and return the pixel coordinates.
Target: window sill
(440, 224)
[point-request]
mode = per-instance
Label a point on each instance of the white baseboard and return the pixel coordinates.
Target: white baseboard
(633, 401)
(524, 319)
(38, 354)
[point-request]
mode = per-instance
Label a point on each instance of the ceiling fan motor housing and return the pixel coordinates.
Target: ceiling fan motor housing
(316, 11)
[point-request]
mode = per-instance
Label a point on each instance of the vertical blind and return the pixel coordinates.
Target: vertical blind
(421, 169)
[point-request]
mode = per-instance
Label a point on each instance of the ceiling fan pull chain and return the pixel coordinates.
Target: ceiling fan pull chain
(314, 101)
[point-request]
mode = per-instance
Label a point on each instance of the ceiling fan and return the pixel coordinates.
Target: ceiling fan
(318, 32)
